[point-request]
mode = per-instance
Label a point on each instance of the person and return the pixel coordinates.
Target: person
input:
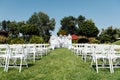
(69, 41)
(60, 38)
(57, 43)
(65, 41)
(52, 42)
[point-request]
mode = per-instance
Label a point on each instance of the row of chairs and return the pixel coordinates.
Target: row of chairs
(102, 55)
(17, 55)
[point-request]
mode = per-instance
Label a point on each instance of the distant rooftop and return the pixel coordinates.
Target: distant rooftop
(4, 33)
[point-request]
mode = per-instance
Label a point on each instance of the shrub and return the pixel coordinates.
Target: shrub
(17, 41)
(83, 40)
(75, 41)
(36, 39)
(3, 39)
(93, 40)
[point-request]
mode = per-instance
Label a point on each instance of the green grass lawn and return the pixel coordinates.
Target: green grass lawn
(60, 64)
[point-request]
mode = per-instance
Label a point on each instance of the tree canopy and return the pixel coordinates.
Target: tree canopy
(109, 35)
(68, 24)
(41, 25)
(87, 28)
(79, 26)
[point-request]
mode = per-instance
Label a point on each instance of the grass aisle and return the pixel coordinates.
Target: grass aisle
(60, 64)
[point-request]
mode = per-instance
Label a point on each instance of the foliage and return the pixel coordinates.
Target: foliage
(42, 23)
(88, 29)
(3, 39)
(38, 24)
(36, 39)
(68, 24)
(75, 41)
(4, 25)
(17, 41)
(29, 29)
(80, 20)
(93, 40)
(83, 40)
(109, 35)
(79, 26)
(13, 29)
(62, 32)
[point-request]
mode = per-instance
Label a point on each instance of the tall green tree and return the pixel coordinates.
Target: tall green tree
(80, 20)
(11, 26)
(68, 24)
(4, 24)
(109, 35)
(0, 25)
(28, 30)
(13, 29)
(87, 28)
(43, 24)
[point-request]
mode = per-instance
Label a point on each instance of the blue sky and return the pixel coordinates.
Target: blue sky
(104, 13)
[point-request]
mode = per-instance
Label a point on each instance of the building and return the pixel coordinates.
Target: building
(3, 33)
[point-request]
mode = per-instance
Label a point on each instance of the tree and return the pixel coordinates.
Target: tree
(109, 35)
(87, 28)
(28, 30)
(62, 32)
(68, 24)
(13, 28)
(36, 39)
(42, 23)
(4, 24)
(80, 20)
(0, 25)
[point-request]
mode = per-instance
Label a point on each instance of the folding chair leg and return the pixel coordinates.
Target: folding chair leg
(25, 62)
(92, 62)
(34, 57)
(5, 68)
(20, 65)
(96, 65)
(111, 66)
(7, 65)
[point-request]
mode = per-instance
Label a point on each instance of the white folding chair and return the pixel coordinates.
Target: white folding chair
(101, 57)
(115, 57)
(17, 57)
(78, 50)
(46, 48)
(41, 50)
(31, 51)
(87, 51)
(4, 54)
